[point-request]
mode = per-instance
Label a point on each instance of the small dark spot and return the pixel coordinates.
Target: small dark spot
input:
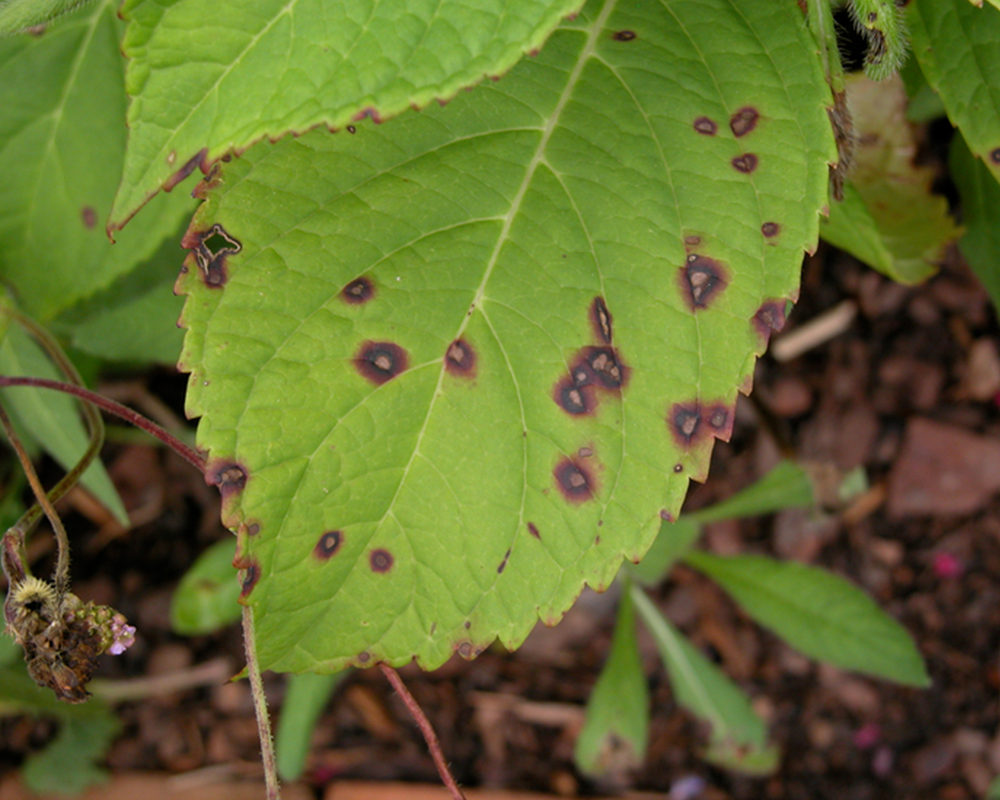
(251, 574)
(995, 155)
(460, 359)
(770, 229)
(467, 624)
(705, 126)
(702, 279)
(678, 468)
(597, 540)
(623, 36)
(328, 545)
(573, 399)
(533, 530)
(351, 129)
(601, 319)
(434, 627)
(89, 216)
(228, 476)
(692, 240)
(573, 481)
(745, 163)
(253, 529)
(380, 362)
(358, 291)
(770, 318)
(604, 363)
(872, 17)
(666, 516)
(684, 422)
(467, 651)
(503, 564)
(743, 121)
(364, 657)
(585, 452)
(380, 560)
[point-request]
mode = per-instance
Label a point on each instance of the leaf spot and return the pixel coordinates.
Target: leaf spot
(88, 215)
(623, 36)
(705, 126)
(745, 163)
(380, 362)
(702, 279)
(573, 399)
(770, 229)
(253, 529)
(328, 545)
(460, 359)
(228, 476)
(604, 362)
(585, 452)
(199, 159)
(573, 481)
(684, 421)
(743, 121)
(601, 319)
(678, 468)
(692, 240)
(364, 657)
(351, 129)
(211, 249)
(770, 318)
(381, 561)
(533, 530)
(666, 516)
(251, 574)
(358, 291)
(503, 564)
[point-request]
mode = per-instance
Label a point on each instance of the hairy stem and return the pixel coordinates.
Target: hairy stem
(260, 708)
(426, 729)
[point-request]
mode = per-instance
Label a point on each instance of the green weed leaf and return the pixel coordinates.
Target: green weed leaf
(616, 731)
(62, 146)
(739, 736)
(206, 598)
(452, 368)
(305, 699)
(271, 67)
(980, 215)
(819, 614)
(958, 46)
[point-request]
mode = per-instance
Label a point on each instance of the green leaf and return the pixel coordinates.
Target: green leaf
(62, 146)
(305, 699)
(17, 16)
(818, 613)
(273, 67)
(50, 418)
(958, 47)
(787, 485)
(889, 218)
(980, 215)
(739, 736)
(574, 274)
(206, 598)
(66, 766)
(616, 731)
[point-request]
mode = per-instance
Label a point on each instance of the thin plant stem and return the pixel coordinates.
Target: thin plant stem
(62, 569)
(425, 728)
(260, 708)
(186, 452)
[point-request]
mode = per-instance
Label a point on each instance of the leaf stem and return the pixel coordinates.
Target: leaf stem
(426, 729)
(260, 708)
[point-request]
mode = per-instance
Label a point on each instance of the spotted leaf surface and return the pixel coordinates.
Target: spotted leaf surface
(452, 368)
(958, 46)
(209, 78)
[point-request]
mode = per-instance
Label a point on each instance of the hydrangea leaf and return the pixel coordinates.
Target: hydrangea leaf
(958, 46)
(453, 368)
(62, 146)
(207, 78)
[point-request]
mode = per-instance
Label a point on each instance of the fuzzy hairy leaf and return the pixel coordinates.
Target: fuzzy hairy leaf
(270, 67)
(453, 368)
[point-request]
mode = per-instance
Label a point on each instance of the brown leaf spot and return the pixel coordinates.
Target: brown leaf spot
(364, 657)
(533, 530)
(253, 529)
(380, 362)
(605, 367)
(328, 545)
(503, 564)
(251, 574)
(88, 216)
(743, 121)
(600, 318)
(227, 475)
(574, 481)
(460, 360)
(692, 240)
(211, 250)
(745, 163)
(770, 229)
(381, 561)
(770, 318)
(351, 129)
(666, 516)
(706, 126)
(358, 291)
(701, 280)
(678, 468)
(623, 36)
(572, 398)
(684, 422)
(199, 159)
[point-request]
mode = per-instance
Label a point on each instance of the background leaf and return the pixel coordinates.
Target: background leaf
(739, 736)
(18, 15)
(980, 216)
(276, 67)
(206, 598)
(819, 614)
(306, 697)
(452, 368)
(62, 146)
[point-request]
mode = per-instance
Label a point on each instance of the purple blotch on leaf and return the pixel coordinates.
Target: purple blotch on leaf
(89, 216)
(503, 564)
(533, 530)
(380, 362)
(770, 229)
(574, 481)
(211, 249)
(684, 422)
(460, 359)
(253, 529)
(600, 317)
(358, 291)
(380, 560)
(199, 159)
(702, 279)
(706, 126)
(666, 516)
(603, 362)
(251, 574)
(573, 399)
(770, 318)
(745, 163)
(328, 545)
(227, 475)
(692, 240)
(995, 155)
(743, 121)
(364, 657)
(623, 36)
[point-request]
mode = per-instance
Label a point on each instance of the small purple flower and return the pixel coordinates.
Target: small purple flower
(123, 633)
